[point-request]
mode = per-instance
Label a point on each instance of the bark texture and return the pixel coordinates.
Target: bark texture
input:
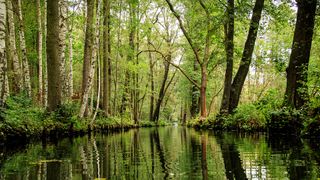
(106, 57)
(25, 63)
(242, 72)
(4, 86)
(12, 51)
(39, 50)
(53, 59)
(229, 48)
(297, 72)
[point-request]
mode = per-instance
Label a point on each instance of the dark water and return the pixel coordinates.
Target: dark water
(164, 153)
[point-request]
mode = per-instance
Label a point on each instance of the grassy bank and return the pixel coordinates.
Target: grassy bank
(268, 114)
(19, 118)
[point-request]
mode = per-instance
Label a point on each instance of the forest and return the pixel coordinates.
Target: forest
(79, 65)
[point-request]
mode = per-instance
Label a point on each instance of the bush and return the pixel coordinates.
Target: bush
(249, 117)
(286, 121)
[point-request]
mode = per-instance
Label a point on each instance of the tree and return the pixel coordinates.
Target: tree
(53, 59)
(296, 94)
(93, 42)
(12, 51)
(204, 61)
(229, 48)
(63, 8)
(240, 77)
(88, 48)
(106, 58)
(25, 62)
(39, 49)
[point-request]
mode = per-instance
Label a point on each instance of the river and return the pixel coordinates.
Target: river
(163, 153)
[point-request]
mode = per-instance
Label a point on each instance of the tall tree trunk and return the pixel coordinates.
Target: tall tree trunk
(25, 63)
(203, 90)
(241, 75)
(88, 48)
(151, 65)
(70, 75)
(63, 7)
(229, 48)
(45, 77)
(156, 113)
(95, 34)
(130, 57)
(53, 59)
(194, 109)
(39, 49)
(12, 51)
(4, 86)
(106, 57)
(297, 72)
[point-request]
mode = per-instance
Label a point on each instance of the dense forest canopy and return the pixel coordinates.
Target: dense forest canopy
(161, 59)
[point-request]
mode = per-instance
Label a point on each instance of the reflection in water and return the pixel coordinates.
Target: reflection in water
(163, 153)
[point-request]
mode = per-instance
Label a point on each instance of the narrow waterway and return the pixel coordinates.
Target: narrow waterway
(163, 153)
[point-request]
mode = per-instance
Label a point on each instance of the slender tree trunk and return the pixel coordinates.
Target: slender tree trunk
(156, 113)
(241, 75)
(194, 109)
(229, 48)
(95, 42)
(4, 86)
(88, 48)
(53, 59)
(39, 49)
(106, 57)
(203, 90)
(12, 51)
(297, 72)
(151, 65)
(70, 75)
(25, 63)
(126, 94)
(63, 9)
(45, 78)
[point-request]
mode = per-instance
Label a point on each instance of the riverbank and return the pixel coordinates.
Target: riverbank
(265, 118)
(19, 119)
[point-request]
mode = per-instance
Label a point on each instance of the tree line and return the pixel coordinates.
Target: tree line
(154, 60)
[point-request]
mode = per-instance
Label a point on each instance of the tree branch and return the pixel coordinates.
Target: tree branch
(185, 33)
(174, 65)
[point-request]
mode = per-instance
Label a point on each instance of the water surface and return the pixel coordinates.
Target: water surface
(163, 153)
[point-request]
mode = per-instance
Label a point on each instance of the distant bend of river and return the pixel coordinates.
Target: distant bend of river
(163, 153)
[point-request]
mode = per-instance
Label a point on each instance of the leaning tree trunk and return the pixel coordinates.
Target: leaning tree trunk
(95, 34)
(39, 49)
(156, 113)
(62, 45)
(88, 48)
(229, 48)
(25, 63)
(241, 75)
(53, 59)
(297, 72)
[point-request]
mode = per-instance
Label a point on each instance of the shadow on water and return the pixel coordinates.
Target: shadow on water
(164, 153)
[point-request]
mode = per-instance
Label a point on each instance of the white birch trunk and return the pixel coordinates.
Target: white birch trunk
(2, 51)
(88, 87)
(39, 49)
(70, 75)
(62, 44)
(25, 64)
